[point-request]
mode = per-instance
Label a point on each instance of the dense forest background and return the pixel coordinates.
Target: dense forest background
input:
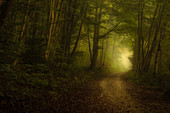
(54, 45)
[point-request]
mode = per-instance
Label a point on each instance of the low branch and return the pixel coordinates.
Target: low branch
(102, 36)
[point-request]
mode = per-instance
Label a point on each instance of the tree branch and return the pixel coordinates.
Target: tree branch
(102, 36)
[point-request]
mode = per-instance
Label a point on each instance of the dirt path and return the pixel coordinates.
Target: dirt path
(113, 94)
(115, 89)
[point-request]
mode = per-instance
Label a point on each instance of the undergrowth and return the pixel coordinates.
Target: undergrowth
(37, 87)
(160, 81)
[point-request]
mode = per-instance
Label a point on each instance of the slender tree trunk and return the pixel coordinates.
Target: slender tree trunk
(51, 21)
(78, 37)
(94, 55)
(151, 26)
(89, 43)
(135, 51)
(101, 52)
(104, 59)
(25, 22)
(158, 53)
(149, 38)
(141, 30)
(72, 25)
(156, 61)
(57, 18)
(139, 40)
(152, 49)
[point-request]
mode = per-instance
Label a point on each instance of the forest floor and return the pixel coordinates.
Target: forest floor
(112, 93)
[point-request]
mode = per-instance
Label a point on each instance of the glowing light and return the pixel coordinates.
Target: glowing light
(125, 59)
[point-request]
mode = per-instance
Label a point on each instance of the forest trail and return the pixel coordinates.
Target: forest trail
(112, 93)
(116, 90)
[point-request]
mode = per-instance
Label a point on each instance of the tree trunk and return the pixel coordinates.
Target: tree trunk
(158, 53)
(104, 59)
(89, 43)
(96, 37)
(51, 21)
(25, 21)
(78, 37)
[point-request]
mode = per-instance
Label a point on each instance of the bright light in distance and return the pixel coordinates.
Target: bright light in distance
(125, 59)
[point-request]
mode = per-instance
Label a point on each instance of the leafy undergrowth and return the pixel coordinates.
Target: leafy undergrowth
(159, 83)
(36, 88)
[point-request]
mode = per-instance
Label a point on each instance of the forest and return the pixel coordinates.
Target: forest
(84, 56)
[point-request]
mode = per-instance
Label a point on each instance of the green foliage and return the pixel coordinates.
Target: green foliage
(6, 68)
(161, 80)
(34, 51)
(7, 47)
(164, 78)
